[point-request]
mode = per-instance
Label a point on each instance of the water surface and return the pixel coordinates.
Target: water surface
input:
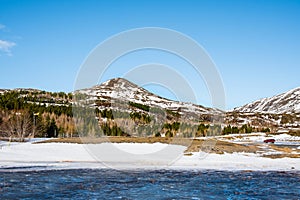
(157, 184)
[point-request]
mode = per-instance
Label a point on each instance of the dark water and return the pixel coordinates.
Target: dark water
(111, 184)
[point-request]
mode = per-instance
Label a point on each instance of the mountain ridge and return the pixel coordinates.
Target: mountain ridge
(123, 90)
(284, 103)
(120, 88)
(121, 103)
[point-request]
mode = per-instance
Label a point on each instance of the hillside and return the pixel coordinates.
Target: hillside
(122, 108)
(115, 91)
(285, 103)
(280, 113)
(35, 113)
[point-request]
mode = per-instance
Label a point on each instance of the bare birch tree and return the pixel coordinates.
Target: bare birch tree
(20, 125)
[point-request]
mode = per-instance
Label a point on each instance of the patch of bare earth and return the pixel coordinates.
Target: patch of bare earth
(99, 140)
(284, 155)
(282, 152)
(220, 147)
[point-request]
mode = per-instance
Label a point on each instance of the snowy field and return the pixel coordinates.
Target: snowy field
(260, 137)
(69, 156)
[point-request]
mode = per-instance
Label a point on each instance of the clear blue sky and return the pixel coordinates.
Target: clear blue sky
(255, 44)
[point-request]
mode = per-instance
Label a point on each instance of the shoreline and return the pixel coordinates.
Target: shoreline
(39, 167)
(54, 155)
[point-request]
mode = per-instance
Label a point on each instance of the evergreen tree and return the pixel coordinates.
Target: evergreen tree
(52, 130)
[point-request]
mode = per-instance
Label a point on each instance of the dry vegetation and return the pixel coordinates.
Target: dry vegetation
(220, 147)
(283, 155)
(213, 146)
(281, 149)
(282, 152)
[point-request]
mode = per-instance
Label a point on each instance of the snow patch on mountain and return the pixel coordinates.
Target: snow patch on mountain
(119, 89)
(288, 102)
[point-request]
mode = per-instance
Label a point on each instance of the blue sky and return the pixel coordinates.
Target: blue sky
(254, 44)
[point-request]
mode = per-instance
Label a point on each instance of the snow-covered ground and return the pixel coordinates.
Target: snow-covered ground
(65, 155)
(259, 138)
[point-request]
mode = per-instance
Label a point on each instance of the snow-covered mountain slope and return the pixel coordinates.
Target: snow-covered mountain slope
(119, 89)
(288, 102)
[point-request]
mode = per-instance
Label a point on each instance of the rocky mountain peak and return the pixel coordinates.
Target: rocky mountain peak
(117, 83)
(119, 89)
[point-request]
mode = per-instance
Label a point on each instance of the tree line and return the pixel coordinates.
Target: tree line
(35, 113)
(43, 114)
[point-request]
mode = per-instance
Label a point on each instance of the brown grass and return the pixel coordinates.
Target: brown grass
(284, 155)
(89, 140)
(281, 149)
(213, 146)
(220, 147)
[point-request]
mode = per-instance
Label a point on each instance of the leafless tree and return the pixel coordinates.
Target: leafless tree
(19, 125)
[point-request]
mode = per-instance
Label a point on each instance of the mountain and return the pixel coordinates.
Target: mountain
(123, 108)
(285, 103)
(112, 92)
